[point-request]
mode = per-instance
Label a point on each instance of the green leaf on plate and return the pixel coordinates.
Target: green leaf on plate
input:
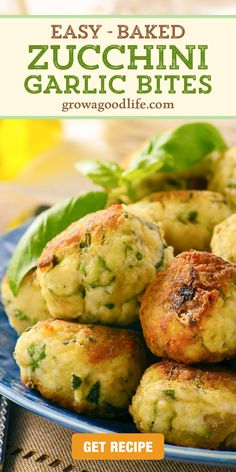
(173, 151)
(45, 227)
(176, 151)
(104, 173)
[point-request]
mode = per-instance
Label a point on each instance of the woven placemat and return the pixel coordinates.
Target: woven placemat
(38, 445)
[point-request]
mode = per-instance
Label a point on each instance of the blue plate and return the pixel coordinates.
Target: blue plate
(12, 388)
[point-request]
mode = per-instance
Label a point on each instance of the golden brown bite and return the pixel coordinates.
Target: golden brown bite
(191, 407)
(224, 176)
(28, 306)
(96, 270)
(189, 312)
(91, 369)
(223, 243)
(188, 217)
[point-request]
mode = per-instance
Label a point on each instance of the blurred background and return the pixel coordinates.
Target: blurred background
(37, 157)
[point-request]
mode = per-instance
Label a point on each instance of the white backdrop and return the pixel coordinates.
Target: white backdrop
(118, 6)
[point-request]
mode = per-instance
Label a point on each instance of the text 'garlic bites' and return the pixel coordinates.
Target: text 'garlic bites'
(189, 312)
(224, 176)
(187, 217)
(96, 270)
(28, 306)
(89, 368)
(223, 243)
(191, 407)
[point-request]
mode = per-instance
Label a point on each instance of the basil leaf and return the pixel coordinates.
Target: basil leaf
(45, 227)
(173, 151)
(104, 173)
(176, 151)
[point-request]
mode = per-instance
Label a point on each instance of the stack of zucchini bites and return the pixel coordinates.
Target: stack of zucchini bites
(156, 247)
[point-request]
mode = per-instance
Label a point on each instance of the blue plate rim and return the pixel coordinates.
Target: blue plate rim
(171, 452)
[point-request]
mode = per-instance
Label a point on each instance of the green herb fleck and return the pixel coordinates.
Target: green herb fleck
(192, 216)
(110, 306)
(101, 264)
(107, 278)
(93, 395)
(170, 393)
(139, 256)
(20, 315)
(68, 341)
(222, 294)
(75, 382)
(91, 339)
(161, 260)
(37, 354)
(151, 226)
(128, 249)
(154, 412)
(83, 270)
(86, 242)
(207, 433)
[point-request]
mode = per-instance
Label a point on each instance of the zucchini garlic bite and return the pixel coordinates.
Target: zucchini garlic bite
(28, 306)
(91, 369)
(165, 182)
(224, 176)
(223, 243)
(189, 312)
(191, 407)
(96, 270)
(188, 217)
